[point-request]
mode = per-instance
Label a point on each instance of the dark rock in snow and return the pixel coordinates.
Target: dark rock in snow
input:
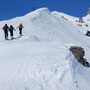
(79, 54)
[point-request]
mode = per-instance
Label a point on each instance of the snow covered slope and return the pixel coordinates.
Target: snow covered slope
(40, 59)
(75, 20)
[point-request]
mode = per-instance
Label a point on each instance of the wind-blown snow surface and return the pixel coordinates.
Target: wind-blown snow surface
(40, 59)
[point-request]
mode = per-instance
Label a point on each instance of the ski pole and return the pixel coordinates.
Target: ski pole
(16, 33)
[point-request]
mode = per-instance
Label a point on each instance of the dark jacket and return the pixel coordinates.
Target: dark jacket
(5, 27)
(11, 28)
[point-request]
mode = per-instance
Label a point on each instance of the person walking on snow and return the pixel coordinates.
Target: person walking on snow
(20, 29)
(6, 28)
(11, 31)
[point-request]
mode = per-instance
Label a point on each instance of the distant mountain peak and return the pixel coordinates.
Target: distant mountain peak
(88, 11)
(38, 10)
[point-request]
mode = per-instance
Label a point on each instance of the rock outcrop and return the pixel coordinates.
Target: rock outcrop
(79, 54)
(81, 20)
(88, 12)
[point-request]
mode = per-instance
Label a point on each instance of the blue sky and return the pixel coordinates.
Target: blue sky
(13, 8)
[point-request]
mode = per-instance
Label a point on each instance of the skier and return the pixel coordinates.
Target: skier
(20, 29)
(6, 28)
(11, 31)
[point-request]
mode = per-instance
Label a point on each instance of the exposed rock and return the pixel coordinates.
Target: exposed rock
(76, 20)
(88, 12)
(86, 25)
(79, 54)
(88, 33)
(81, 20)
(80, 25)
(64, 18)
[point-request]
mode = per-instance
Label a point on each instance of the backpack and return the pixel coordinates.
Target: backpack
(5, 27)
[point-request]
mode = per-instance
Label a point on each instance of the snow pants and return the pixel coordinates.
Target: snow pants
(6, 33)
(20, 31)
(11, 33)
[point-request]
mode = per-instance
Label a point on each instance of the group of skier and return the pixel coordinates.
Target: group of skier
(10, 29)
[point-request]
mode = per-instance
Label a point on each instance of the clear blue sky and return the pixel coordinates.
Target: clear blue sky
(13, 8)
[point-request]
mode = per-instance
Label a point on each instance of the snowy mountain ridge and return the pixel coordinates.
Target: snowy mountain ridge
(40, 59)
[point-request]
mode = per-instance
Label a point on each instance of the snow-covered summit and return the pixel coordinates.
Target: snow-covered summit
(40, 59)
(46, 26)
